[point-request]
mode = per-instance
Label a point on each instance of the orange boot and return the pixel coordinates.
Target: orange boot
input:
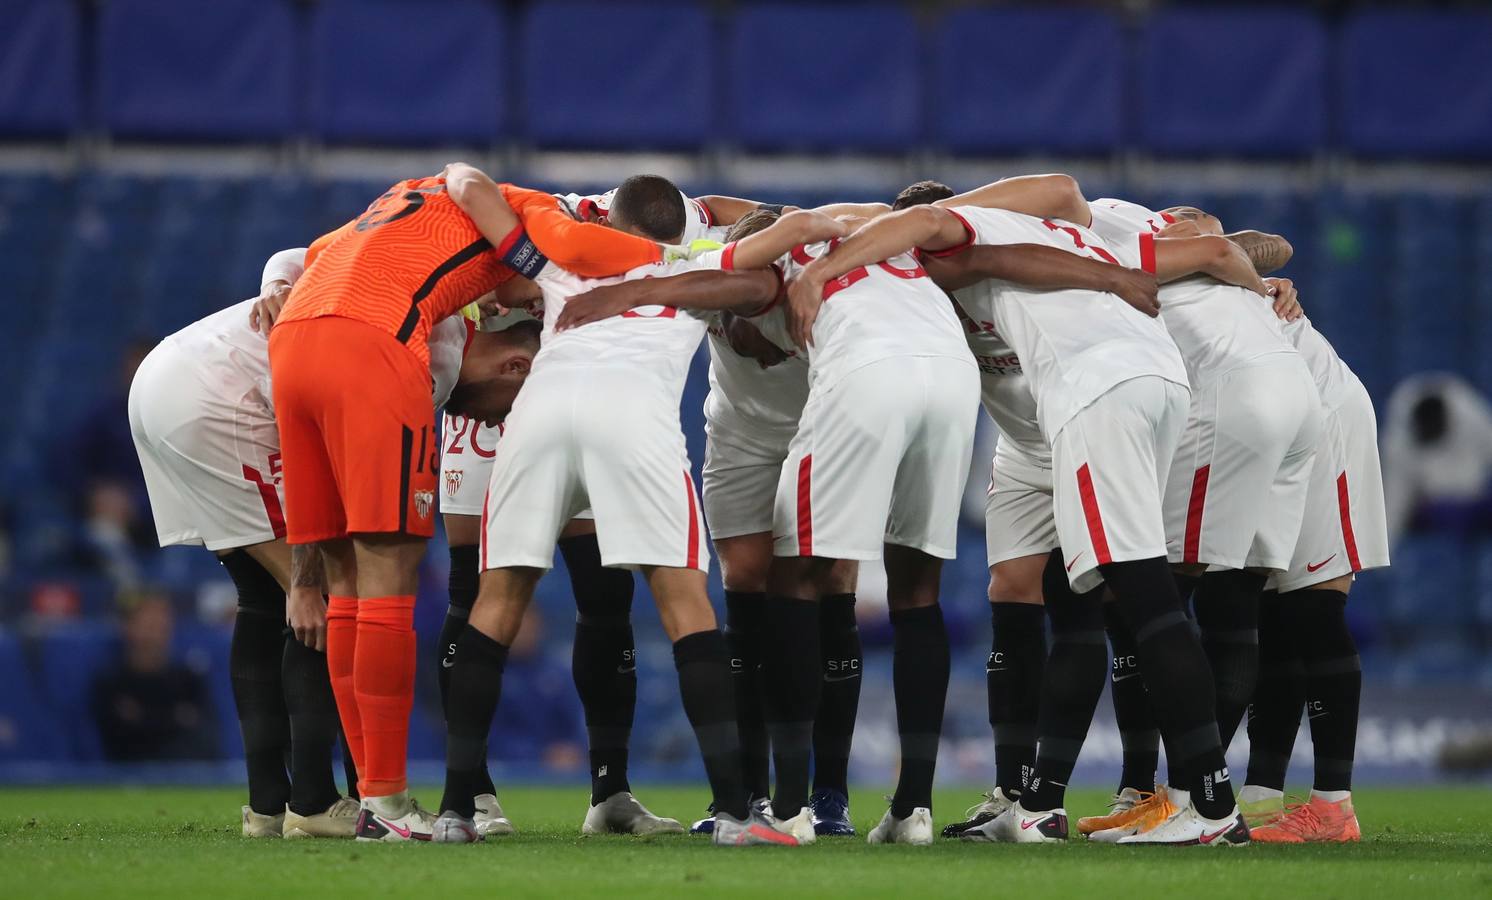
(1316, 821)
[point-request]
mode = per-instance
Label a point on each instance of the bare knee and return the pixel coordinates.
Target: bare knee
(1017, 580)
(912, 578)
(843, 577)
(682, 598)
(502, 600)
(341, 567)
(745, 561)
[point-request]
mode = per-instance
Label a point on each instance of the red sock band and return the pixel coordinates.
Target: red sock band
(341, 644)
(383, 676)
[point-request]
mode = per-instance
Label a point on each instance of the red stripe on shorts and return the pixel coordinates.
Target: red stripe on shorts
(1194, 515)
(1094, 517)
(805, 506)
(1344, 506)
(271, 498)
(692, 552)
(483, 537)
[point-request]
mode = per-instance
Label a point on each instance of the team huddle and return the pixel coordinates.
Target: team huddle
(1186, 473)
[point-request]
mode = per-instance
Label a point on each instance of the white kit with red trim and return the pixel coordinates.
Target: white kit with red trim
(203, 422)
(1110, 388)
(1236, 492)
(882, 449)
(597, 426)
(1345, 529)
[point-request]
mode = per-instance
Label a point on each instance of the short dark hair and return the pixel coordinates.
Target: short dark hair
(758, 219)
(652, 205)
(921, 194)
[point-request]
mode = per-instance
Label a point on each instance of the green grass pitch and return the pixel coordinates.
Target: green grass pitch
(108, 843)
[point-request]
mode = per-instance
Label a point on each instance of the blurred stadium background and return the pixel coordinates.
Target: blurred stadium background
(153, 153)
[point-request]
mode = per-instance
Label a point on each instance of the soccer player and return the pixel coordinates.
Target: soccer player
(351, 375)
(1112, 409)
(1309, 657)
(598, 426)
(876, 465)
(204, 427)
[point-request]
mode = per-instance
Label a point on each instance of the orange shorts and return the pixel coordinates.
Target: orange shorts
(357, 431)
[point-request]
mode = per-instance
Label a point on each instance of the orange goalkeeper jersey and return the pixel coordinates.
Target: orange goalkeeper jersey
(414, 257)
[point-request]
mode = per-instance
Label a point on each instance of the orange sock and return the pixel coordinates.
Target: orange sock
(383, 675)
(341, 644)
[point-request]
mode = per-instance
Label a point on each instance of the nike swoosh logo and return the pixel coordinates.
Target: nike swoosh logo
(832, 678)
(1075, 561)
(1316, 716)
(1119, 678)
(447, 663)
(400, 830)
(1002, 669)
(1027, 823)
(1209, 838)
(1311, 568)
(625, 670)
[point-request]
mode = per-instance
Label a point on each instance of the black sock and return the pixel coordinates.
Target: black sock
(462, 585)
(1186, 586)
(834, 727)
(1333, 680)
(313, 728)
(1138, 732)
(919, 676)
(1227, 608)
(745, 626)
(1071, 686)
(476, 687)
(255, 656)
(1279, 697)
(1176, 674)
(1013, 676)
(603, 661)
(792, 676)
(709, 702)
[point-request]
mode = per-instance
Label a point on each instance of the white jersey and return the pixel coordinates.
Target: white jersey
(1004, 390)
(1334, 380)
(1217, 327)
(656, 339)
(889, 309)
(1073, 345)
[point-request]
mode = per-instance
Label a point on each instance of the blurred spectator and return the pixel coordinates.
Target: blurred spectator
(147, 705)
(115, 536)
(539, 718)
(1437, 460)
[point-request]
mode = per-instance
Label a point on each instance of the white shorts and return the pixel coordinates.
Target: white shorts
(1236, 492)
(1109, 465)
(880, 457)
(604, 439)
(1019, 519)
(741, 470)
(467, 450)
(1345, 529)
(210, 454)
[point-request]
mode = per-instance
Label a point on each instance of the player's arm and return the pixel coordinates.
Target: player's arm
(1044, 268)
(729, 210)
(479, 197)
(1268, 252)
(747, 292)
(1044, 196)
(305, 609)
(1205, 255)
(587, 249)
(804, 226)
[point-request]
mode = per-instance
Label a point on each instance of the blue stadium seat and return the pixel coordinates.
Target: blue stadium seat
(1415, 83)
(1018, 80)
(809, 77)
(626, 75)
(408, 72)
(71, 657)
(1243, 81)
(224, 70)
(28, 729)
(1349, 283)
(1429, 303)
(1431, 578)
(39, 68)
